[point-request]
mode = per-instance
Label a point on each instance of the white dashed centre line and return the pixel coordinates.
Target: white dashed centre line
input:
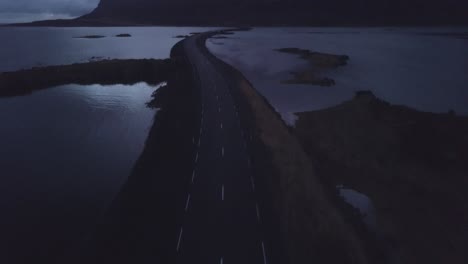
(252, 182)
(222, 151)
(221, 261)
(196, 158)
(222, 192)
(193, 175)
(221, 125)
(180, 238)
(187, 203)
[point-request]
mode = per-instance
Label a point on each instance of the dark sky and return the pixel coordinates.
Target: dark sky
(12, 11)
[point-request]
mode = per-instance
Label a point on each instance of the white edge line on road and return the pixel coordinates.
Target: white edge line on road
(187, 203)
(264, 254)
(180, 238)
(258, 212)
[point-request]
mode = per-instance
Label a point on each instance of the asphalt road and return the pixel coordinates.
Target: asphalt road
(221, 217)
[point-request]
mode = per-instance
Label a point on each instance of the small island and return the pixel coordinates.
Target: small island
(318, 62)
(125, 35)
(90, 37)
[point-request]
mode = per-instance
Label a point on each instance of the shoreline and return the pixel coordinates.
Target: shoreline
(104, 72)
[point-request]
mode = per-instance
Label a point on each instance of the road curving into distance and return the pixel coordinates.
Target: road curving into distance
(222, 221)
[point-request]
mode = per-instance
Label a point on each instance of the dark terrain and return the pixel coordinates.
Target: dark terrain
(413, 165)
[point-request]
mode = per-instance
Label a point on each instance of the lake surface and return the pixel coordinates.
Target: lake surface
(65, 152)
(426, 69)
(28, 47)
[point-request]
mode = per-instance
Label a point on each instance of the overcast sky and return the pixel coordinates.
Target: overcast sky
(12, 11)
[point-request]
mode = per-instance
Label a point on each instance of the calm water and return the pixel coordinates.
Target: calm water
(65, 152)
(420, 68)
(27, 47)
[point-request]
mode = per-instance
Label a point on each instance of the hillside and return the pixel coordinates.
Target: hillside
(283, 12)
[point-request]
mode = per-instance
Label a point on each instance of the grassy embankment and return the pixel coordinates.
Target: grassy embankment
(300, 216)
(413, 165)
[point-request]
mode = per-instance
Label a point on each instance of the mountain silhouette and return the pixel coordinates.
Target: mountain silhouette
(282, 12)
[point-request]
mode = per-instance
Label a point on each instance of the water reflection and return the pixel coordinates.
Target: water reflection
(64, 154)
(362, 203)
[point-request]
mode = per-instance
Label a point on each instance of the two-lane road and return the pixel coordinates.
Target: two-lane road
(222, 221)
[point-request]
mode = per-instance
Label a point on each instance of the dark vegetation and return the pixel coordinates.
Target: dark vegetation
(413, 165)
(125, 35)
(318, 63)
(104, 72)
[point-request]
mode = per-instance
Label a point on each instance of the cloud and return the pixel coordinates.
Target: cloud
(12, 11)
